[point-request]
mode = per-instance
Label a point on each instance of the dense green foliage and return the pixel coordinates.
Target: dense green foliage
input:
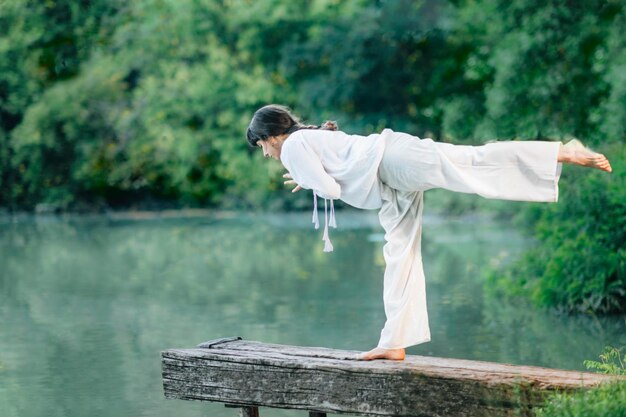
(112, 103)
(579, 261)
(106, 103)
(608, 400)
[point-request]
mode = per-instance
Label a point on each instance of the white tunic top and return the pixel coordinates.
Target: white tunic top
(336, 165)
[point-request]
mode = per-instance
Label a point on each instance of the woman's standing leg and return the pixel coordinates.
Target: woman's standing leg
(404, 288)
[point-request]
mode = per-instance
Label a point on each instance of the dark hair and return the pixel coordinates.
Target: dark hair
(275, 120)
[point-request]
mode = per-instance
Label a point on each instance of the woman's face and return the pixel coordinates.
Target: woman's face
(271, 148)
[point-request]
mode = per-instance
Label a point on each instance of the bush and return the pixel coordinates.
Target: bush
(611, 362)
(608, 400)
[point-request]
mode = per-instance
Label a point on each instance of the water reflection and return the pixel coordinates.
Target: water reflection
(87, 303)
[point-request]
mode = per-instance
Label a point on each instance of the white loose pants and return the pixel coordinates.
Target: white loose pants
(509, 170)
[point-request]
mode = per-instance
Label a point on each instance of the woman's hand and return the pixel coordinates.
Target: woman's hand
(291, 181)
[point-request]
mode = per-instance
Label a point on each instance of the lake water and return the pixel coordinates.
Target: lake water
(87, 303)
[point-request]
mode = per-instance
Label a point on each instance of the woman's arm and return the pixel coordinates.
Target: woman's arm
(307, 170)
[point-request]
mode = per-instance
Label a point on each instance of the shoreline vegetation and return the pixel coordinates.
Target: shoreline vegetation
(579, 262)
(606, 400)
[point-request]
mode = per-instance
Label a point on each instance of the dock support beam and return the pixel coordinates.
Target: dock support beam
(245, 411)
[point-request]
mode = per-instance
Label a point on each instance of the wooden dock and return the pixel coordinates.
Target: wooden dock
(249, 374)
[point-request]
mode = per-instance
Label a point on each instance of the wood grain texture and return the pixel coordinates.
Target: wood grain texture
(250, 373)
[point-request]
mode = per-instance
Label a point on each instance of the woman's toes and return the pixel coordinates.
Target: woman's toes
(603, 163)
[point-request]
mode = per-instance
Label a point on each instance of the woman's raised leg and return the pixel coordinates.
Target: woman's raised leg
(507, 170)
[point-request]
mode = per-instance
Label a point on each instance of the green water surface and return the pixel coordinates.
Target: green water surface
(88, 302)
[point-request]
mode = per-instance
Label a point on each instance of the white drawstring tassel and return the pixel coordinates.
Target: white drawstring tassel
(315, 219)
(328, 247)
(333, 223)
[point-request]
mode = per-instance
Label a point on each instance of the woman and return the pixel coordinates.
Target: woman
(390, 171)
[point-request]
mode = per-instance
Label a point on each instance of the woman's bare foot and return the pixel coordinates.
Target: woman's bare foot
(574, 152)
(381, 353)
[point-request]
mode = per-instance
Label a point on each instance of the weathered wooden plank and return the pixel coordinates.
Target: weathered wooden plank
(250, 373)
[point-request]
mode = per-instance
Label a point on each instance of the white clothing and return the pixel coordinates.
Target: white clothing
(510, 170)
(507, 170)
(404, 285)
(337, 165)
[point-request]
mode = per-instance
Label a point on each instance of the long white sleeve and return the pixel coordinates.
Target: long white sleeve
(306, 169)
(335, 165)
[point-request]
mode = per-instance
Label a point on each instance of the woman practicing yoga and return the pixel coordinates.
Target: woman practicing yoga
(390, 171)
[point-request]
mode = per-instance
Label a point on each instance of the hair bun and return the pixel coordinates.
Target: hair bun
(329, 125)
